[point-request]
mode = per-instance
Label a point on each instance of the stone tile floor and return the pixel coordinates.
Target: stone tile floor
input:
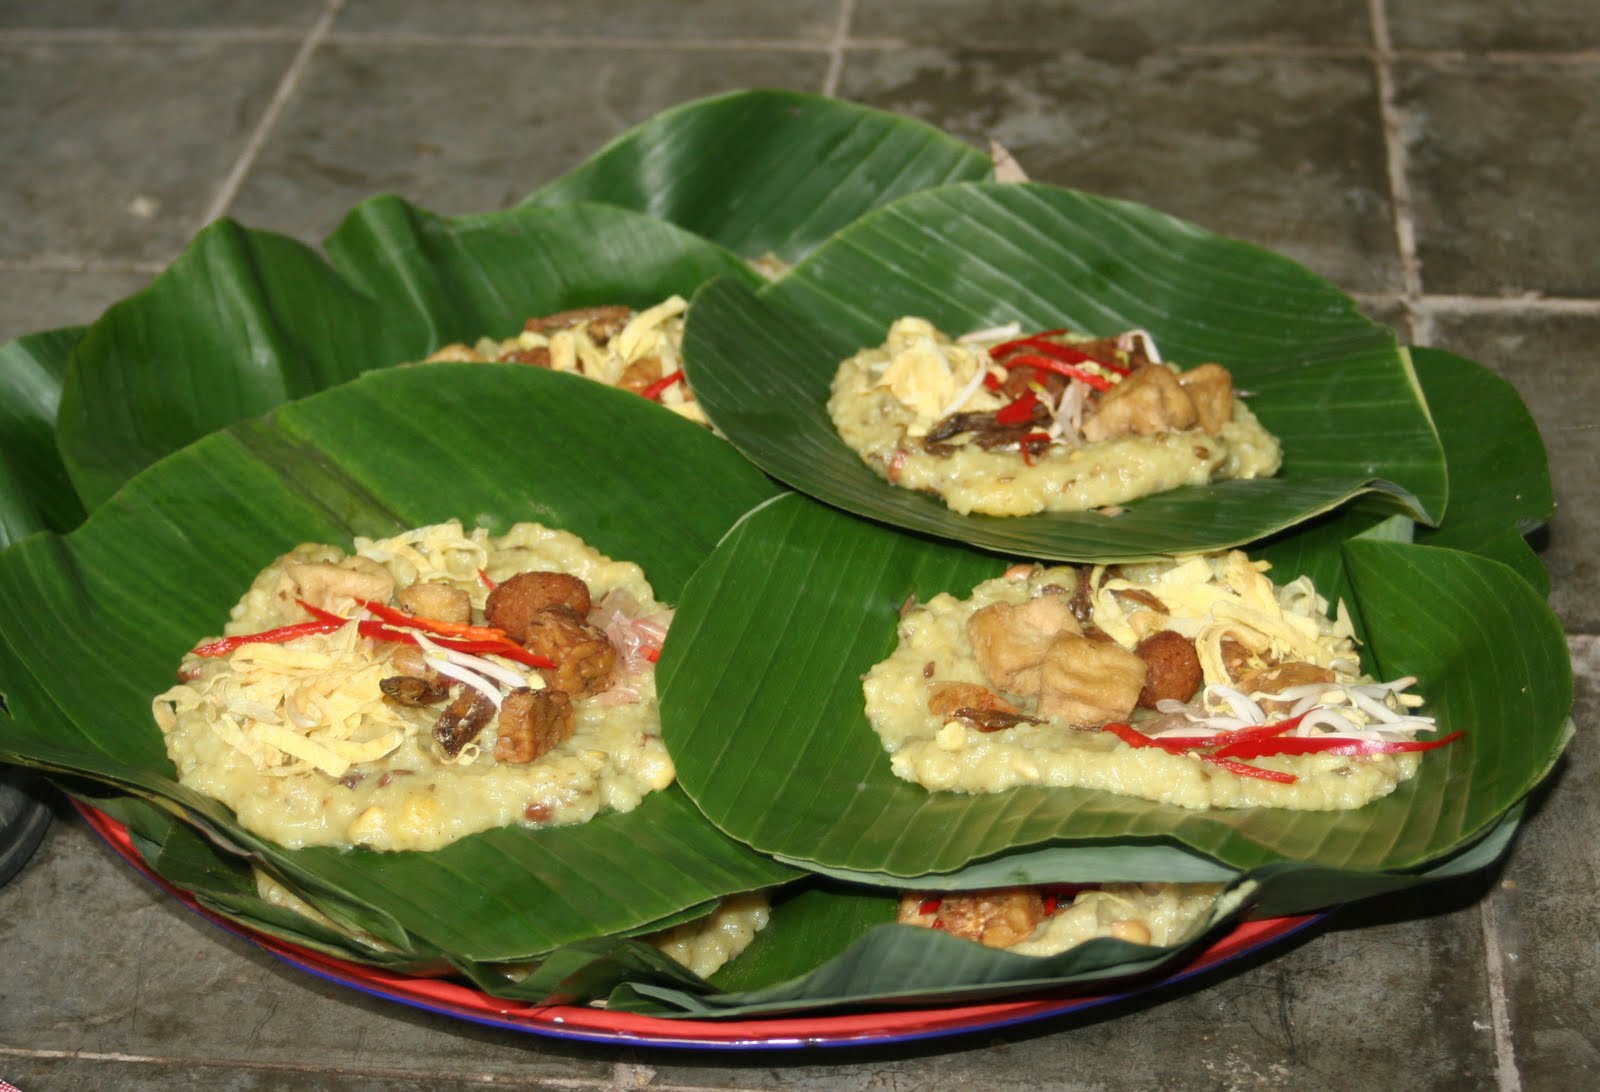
(1433, 157)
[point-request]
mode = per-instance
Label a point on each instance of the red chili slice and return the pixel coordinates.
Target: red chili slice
(1313, 745)
(224, 645)
(1032, 444)
(655, 390)
(1060, 367)
(1018, 411)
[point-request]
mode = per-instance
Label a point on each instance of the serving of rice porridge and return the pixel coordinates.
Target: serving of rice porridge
(1195, 682)
(425, 687)
(1004, 425)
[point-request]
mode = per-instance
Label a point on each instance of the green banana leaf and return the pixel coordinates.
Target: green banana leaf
(35, 492)
(767, 172)
(93, 624)
(801, 960)
(828, 947)
(1334, 387)
(225, 885)
(1499, 473)
(763, 709)
(895, 964)
(245, 320)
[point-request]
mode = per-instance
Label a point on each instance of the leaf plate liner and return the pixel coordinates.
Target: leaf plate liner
(1334, 387)
(245, 320)
(94, 623)
(763, 709)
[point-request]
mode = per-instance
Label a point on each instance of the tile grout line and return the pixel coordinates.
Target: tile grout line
(1507, 1078)
(229, 190)
(309, 1069)
(1422, 333)
(837, 46)
(1405, 232)
(97, 36)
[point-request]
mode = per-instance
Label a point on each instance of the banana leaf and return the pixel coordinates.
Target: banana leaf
(1335, 388)
(830, 946)
(767, 172)
(1499, 473)
(35, 492)
(245, 320)
(225, 885)
(894, 964)
(763, 712)
(804, 957)
(93, 624)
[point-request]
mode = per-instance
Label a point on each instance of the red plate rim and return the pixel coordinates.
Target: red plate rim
(583, 1023)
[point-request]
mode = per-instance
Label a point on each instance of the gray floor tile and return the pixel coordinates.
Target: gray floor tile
(1121, 29)
(1545, 911)
(1285, 154)
(470, 137)
(98, 962)
(31, 301)
(1325, 1013)
(1502, 161)
(111, 15)
(119, 1075)
(1551, 361)
(1543, 25)
(122, 166)
(1392, 313)
(807, 20)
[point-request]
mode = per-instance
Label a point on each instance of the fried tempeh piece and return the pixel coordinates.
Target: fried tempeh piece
(531, 723)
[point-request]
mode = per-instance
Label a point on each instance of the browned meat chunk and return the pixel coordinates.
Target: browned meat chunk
(1009, 640)
(1280, 677)
(516, 600)
(537, 357)
(1088, 683)
(1141, 597)
(995, 919)
(1210, 388)
(604, 322)
(638, 376)
(531, 723)
(585, 659)
(462, 720)
(436, 600)
(1172, 668)
(1021, 380)
(947, 697)
(982, 707)
(413, 690)
(1148, 402)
